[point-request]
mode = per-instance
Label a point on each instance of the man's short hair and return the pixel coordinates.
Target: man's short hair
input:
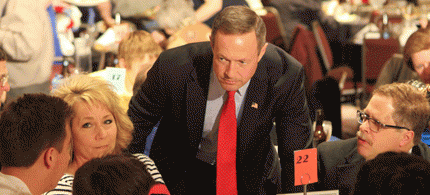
(394, 173)
(239, 20)
(30, 125)
(411, 107)
(418, 41)
(113, 174)
(136, 45)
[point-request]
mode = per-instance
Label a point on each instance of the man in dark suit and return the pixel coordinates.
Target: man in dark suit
(186, 89)
(393, 121)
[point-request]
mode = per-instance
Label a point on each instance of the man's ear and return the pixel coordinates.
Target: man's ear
(262, 51)
(407, 138)
(50, 157)
(210, 39)
(121, 63)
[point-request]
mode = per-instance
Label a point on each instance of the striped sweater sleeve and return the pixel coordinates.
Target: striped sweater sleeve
(150, 166)
(64, 186)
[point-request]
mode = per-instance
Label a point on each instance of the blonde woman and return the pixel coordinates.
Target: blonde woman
(99, 127)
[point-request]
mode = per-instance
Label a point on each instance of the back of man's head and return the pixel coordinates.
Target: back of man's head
(113, 174)
(394, 173)
(136, 45)
(30, 125)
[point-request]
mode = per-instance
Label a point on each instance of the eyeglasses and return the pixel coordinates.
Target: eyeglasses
(3, 79)
(374, 124)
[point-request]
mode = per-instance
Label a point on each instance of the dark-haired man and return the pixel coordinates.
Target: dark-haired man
(35, 142)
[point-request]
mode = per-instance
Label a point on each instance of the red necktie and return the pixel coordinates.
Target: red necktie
(226, 182)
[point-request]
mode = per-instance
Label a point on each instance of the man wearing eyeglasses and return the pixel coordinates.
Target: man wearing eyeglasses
(4, 85)
(393, 121)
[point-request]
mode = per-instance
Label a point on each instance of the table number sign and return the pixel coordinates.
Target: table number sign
(305, 166)
(115, 76)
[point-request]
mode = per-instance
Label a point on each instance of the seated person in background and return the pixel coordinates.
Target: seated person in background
(394, 173)
(4, 85)
(35, 142)
(206, 10)
(137, 53)
(393, 120)
(413, 64)
(115, 174)
(135, 11)
(26, 36)
(100, 125)
(293, 12)
(180, 24)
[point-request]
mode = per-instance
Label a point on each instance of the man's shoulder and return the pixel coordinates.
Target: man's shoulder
(12, 185)
(179, 60)
(199, 49)
(397, 59)
(424, 150)
(278, 59)
(338, 148)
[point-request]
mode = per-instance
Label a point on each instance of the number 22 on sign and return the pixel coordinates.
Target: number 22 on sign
(305, 166)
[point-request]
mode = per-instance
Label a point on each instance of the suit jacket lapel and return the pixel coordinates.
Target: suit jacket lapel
(253, 105)
(348, 169)
(353, 158)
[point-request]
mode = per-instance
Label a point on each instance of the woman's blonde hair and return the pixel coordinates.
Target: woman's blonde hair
(89, 89)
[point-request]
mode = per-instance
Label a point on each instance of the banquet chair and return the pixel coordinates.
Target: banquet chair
(321, 90)
(303, 49)
(375, 52)
(275, 31)
(341, 73)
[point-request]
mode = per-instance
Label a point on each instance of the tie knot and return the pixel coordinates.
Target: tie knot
(231, 93)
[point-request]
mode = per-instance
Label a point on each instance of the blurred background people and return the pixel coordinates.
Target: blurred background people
(393, 121)
(206, 10)
(4, 76)
(100, 126)
(293, 12)
(135, 11)
(35, 142)
(394, 173)
(137, 53)
(413, 64)
(27, 37)
(116, 174)
(178, 24)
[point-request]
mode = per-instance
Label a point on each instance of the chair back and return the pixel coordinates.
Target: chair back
(375, 52)
(275, 31)
(303, 48)
(323, 45)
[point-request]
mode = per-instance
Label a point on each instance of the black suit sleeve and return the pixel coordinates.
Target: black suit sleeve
(145, 107)
(292, 121)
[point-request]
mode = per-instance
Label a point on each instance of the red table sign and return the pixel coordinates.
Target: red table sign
(305, 166)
